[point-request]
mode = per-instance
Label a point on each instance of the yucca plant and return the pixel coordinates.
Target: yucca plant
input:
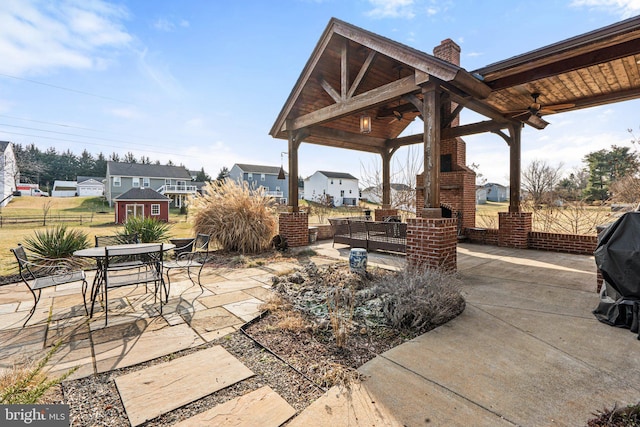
(238, 218)
(56, 242)
(149, 230)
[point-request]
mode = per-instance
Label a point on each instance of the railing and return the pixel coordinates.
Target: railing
(277, 194)
(190, 189)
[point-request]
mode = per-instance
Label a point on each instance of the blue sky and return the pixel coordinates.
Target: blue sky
(201, 82)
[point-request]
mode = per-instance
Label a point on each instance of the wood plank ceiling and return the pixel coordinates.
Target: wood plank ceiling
(353, 72)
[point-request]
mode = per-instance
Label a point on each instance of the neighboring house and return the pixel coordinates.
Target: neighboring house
(341, 188)
(90, 186)
(262, 176)
(481, 195)
(496, 192)
(64, 189)
(141, 202)
(400, 195)
(8, 172)
(171, 181)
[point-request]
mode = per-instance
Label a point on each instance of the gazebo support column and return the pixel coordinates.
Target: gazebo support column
(294, 225)
(431, 239)
(514, 226)
(386, 211)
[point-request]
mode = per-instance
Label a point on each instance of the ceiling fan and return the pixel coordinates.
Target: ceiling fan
(537, 109)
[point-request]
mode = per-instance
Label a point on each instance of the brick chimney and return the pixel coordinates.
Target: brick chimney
(449, 51)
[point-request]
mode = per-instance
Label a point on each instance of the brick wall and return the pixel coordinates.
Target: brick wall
(295, 227)
(485, 236)
(567, 243)
(513, 229)
(324, 231)
(431, 242)
(381, 214)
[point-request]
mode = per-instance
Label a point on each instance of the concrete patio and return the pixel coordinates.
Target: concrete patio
(526, 351)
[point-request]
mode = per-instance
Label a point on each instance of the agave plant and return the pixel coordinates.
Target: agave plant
(56, 242)
(149, 230)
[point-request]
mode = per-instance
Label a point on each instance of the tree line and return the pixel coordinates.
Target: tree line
(44, 167)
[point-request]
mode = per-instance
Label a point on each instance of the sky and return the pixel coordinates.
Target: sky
(201, 83)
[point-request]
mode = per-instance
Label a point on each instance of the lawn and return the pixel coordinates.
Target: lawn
(98, 219)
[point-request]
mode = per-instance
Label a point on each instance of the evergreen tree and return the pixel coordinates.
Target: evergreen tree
(606, 167)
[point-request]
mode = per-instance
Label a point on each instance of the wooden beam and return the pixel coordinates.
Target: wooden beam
(344, 69)
(294, 144)
(588, 59)
(431, 114)
(386, 179)
(454, 132)
(514, 168)
(370, 99)
(446, 121)
(340, 139)
(330, 90)
(362, 73)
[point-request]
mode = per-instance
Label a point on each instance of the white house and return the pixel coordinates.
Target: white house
(340, 188)
(64, 188)
(89, 186)
(400, 194)
(496, 192)
(8, 172)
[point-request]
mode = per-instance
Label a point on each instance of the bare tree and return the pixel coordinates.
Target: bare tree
(539, 179)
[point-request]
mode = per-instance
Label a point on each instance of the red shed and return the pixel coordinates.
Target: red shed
(143, 202)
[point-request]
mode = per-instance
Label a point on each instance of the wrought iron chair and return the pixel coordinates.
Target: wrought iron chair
(192, 256)
(116, 239)
(38, 276)
(115, 275)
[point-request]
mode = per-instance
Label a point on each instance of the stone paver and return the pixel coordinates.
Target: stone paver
(262, 407)
(161, 388)
(247, 310)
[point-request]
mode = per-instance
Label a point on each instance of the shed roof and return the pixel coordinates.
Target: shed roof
(274, 170)
(142, 194)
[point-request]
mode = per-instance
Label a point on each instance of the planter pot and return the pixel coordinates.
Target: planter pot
(358, 260)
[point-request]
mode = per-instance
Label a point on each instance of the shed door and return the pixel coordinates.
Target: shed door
(135, 211)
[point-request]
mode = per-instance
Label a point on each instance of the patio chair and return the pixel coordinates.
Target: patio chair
(192, 256)
(120, 239)
(38, 276)
(115, 275)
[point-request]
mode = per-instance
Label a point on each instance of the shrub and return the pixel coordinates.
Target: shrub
(149, 230)
(419, 299)
(238, 218)
(57, 242)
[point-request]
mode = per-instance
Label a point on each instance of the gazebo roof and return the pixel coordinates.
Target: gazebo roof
(354, 72)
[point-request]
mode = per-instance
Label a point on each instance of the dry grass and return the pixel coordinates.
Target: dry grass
(239, 218)
(288, 319)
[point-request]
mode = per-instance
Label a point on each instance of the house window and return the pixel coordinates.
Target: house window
(349, 191)
(249, 176)
(331, 182)
(155, 209)
(135, 182)
(146, 182)
(340, 181)
(277, 188)
(116, 181)
(262, 177)
(341, 193)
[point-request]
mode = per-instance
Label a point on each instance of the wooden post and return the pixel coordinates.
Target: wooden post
(514, 168)
(293, 172)
(431, 115)
(386, 179)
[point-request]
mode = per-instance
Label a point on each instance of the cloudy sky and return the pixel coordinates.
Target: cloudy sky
(201, 82)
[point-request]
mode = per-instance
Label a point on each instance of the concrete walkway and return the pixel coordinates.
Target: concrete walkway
(526, 351)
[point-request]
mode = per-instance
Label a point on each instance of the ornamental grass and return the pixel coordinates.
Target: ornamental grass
(238, 218)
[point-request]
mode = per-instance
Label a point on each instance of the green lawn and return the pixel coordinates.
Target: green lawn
(102, 221)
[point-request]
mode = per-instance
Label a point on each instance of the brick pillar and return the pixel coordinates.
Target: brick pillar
(295, 227)
(513, 229)
(381, 214)
(431, 243)
(419, 194)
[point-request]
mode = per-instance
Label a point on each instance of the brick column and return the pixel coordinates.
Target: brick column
(513, 229)
(295, 227)
(432, 242)
(381, 214)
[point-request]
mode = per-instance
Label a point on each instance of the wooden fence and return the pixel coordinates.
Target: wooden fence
(45, 219)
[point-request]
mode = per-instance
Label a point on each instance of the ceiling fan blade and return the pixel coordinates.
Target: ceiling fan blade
(558, 106)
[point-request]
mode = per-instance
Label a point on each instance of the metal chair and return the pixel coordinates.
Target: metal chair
(115, 275)
(193, 255)
(39, 276)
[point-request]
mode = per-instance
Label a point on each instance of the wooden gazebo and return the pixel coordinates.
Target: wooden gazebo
(356, 78)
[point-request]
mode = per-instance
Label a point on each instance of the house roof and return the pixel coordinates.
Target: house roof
(142, 194)
(151, 171)
(338, 175)
(273, 170)
(493, 184)
(396, 187)
(81, 179)
(4, 145)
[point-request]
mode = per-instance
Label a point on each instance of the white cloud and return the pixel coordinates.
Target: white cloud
(35, 37)
(159, 74)
(624, 8)
(163, 24)
(392, 9)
